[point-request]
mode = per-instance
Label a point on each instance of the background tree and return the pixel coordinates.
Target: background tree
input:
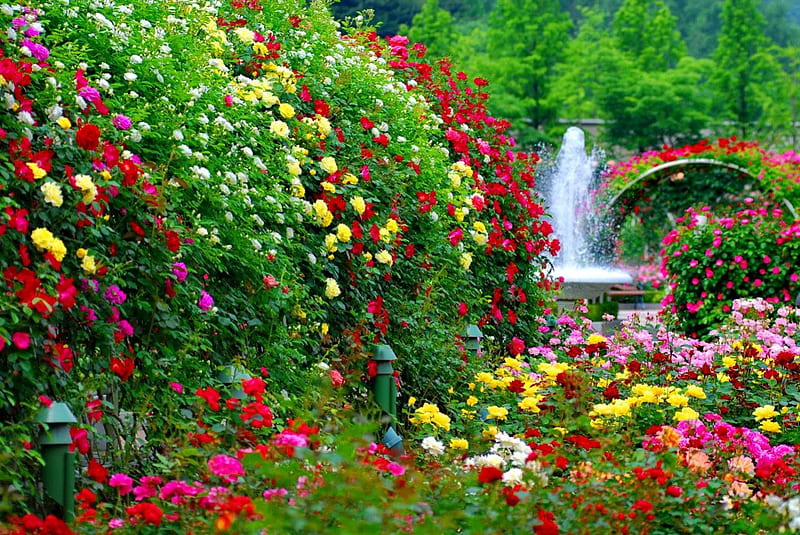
(389, 14)
(740, 63)
(432, 26)
(526, 40)
(646, 30)
(576, 82)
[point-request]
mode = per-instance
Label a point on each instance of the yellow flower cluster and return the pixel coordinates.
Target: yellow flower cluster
(328, 164)
(430, 414)
(765, 415)
(323, 216)
(359, 204)
(87, 187)
(37, 171)
(479, 233)
(457, 172)
(44, 240)
(332, 288)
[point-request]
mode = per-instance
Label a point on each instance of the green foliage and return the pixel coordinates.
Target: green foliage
(433, 26)
(648, 33)
(533, 33)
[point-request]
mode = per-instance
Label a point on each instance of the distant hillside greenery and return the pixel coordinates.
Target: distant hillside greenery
(654, 71)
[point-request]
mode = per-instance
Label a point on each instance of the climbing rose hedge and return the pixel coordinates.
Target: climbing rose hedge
(187, 186)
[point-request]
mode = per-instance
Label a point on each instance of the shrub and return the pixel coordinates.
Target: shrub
(710, 260)
(188, 187)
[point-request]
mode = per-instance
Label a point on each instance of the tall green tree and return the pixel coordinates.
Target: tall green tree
(433, 27)
(576, 81)
(645, 109)
(526, 40)
(742, 66)
(647, 30)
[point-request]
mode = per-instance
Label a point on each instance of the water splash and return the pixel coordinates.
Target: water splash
(568, 196)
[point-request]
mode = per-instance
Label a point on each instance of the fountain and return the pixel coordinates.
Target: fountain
(568, 198)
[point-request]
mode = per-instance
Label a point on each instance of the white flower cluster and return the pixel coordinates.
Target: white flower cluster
(432, 446)
(789, 508)
(510, 454)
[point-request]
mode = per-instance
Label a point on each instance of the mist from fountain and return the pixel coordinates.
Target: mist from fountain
(568, 198)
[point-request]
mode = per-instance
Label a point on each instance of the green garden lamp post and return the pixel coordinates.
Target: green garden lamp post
(385, 390)
(58, 473)
(472, 339)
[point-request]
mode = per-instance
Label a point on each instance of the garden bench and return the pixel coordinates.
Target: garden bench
(627, 290)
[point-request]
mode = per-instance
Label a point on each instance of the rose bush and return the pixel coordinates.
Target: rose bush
(710, 260)
(189, 187)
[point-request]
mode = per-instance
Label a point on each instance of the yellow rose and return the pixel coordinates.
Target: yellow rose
(530, 404)
(330, 188)
(52, 194)
(695, 392)
(279, 128)
(349, 179)
(328, 164)
(459, 444)
(770, 427)
(596, 338)
(87, 186)
(64, 123)
(294, 168)
(89, 265)
(246, 36)
(37, 171)
(465, 260)
(358, 204)
(391, 226)
(442, 421)
(497, 413)
(42, 238)
(323, 125)
(330, 243)
(343, 232)
(286, 110)
(765, 412)
(686, 413)
(678, 400)
(384, 257)
(331, 288)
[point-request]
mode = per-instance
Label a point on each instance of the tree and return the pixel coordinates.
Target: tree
(389, 14)
(646, 30)
(575, 85)
(433, 27)
(526, 40)
(741, 65)
(647, 109)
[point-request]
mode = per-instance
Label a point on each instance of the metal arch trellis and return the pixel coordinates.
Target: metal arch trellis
(682, 163)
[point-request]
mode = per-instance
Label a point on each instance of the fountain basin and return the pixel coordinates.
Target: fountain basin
(588, 282)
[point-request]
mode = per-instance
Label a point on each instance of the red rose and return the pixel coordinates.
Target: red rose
(88, 137)
(489, 474)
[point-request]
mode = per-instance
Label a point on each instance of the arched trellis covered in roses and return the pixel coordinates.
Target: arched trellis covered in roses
(671, 180)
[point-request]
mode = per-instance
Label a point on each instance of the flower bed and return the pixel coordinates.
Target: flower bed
(644, 431)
